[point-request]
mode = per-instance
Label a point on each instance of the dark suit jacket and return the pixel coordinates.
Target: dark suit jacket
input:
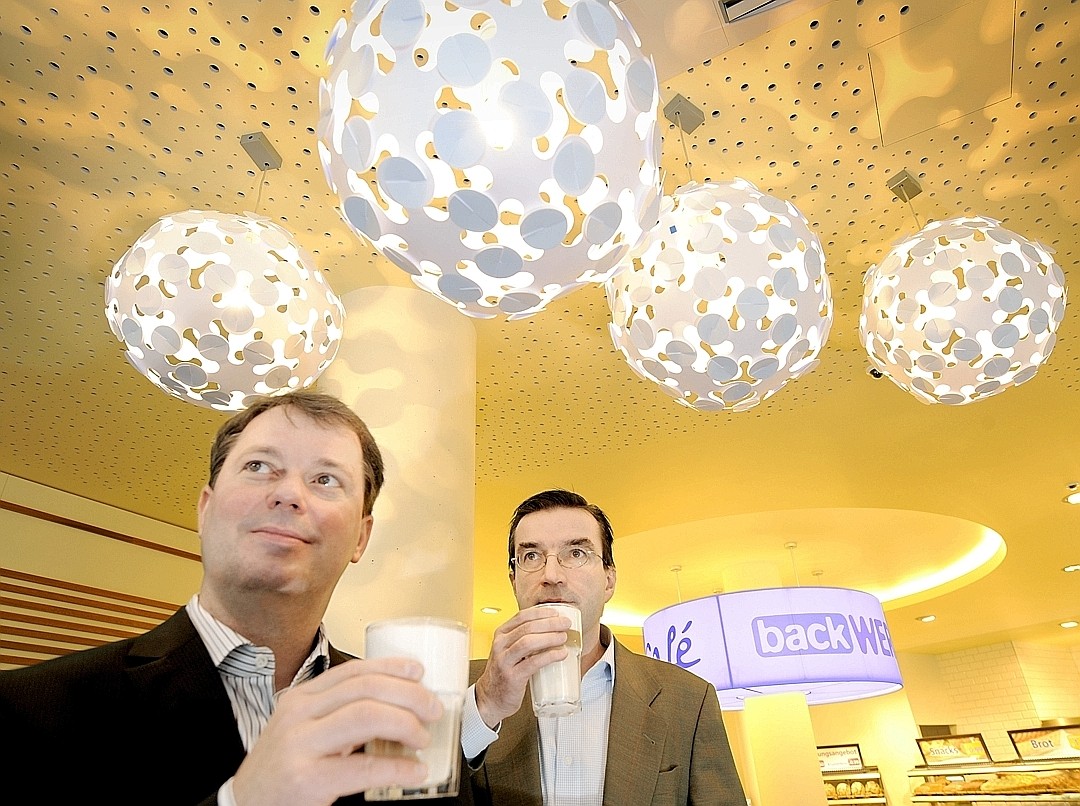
(145, 720)
(666, 744)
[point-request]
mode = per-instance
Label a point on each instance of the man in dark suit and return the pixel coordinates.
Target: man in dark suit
(648, 732)
(239, 695)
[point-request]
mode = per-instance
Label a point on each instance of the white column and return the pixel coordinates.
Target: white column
(775, 728)
(407, 366)
(782, 744)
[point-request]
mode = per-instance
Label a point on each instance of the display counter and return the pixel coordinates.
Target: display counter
(854, 786)
(1047, 782)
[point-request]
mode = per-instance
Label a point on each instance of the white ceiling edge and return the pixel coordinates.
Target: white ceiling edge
(681, 34)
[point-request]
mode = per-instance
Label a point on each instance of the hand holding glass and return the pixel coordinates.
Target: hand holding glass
(556, 688)
(442, 647)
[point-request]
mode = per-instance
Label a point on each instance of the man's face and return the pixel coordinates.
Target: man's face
(588, 587)
(286, 512)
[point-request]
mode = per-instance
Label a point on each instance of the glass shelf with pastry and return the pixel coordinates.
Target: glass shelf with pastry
(1048, 782)
(854, 786)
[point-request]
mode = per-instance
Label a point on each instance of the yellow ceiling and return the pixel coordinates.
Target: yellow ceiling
(115, 114)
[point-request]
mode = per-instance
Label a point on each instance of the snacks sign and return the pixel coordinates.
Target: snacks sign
(968, 748)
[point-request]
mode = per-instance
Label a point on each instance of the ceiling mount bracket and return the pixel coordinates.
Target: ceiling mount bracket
(904, 185)
(262, 153)
(683, 113)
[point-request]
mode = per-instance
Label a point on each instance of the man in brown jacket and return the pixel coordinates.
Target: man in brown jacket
(648, 732)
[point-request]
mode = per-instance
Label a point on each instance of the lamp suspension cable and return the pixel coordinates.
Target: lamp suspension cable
(258, 196)
(675, 569)
(795, 569)
(682, 139)
(911, 207)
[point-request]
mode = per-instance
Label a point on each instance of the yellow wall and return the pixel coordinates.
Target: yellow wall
(39, 547)
(34, 545)
(929, 699)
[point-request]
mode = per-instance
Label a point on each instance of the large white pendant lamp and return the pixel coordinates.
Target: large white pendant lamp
(214, 308)
(962, 310)
(500, 153)
(726, 300)
(830, 644)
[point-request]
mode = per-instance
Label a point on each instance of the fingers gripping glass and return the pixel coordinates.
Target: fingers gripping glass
(529, 560)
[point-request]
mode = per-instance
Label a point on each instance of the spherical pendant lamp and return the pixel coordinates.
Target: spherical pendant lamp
(726, 300)
(962, 310)
(500, 153)
(214, 308)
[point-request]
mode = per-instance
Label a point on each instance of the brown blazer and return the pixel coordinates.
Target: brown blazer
(666, 744)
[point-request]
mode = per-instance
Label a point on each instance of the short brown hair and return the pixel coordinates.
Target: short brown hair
(325, 410)
(564, 499)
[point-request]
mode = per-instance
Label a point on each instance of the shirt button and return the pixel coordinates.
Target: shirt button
(260, 661)
(568, 760)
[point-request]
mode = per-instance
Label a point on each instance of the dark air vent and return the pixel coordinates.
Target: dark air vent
(737, 9)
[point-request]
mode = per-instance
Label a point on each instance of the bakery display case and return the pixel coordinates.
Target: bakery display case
(846, 777)
(854, 786)
(958, 769)
(1047, 782)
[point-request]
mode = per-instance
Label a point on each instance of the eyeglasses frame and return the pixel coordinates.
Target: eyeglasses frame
(589, 551)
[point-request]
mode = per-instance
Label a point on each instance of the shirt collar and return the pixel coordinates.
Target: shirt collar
(232, 653)
(609, 651)
(603, 670)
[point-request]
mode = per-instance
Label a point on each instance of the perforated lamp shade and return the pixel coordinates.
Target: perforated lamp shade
(214, 308)
(725, 300)
(962, 310)
(830, 644)
(500, 154)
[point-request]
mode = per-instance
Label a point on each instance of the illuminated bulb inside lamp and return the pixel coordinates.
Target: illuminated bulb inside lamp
(497, 125)
(236, 297)
(1072, 498)
(1068, 569)
(927, 619)
(1068, 625)
(489, 610)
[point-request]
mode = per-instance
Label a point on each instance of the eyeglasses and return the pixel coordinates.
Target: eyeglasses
(569, 557)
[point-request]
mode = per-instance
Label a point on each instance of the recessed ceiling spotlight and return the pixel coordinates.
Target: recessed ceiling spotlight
(927, 618)
(1068, 569)
(1068, 625)
(491, 611)
(1073, 496)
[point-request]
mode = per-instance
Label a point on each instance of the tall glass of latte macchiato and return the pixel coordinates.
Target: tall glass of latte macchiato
(442, 646)
(556, 688)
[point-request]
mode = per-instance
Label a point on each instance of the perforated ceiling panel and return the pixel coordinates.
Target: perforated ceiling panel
(113, 115)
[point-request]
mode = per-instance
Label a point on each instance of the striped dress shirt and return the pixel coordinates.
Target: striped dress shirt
(248, 670)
